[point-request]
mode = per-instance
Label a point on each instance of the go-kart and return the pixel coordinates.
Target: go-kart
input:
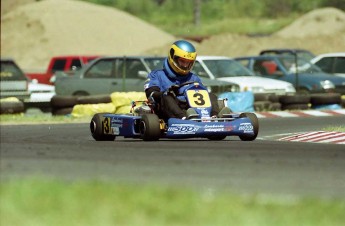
(144, 124)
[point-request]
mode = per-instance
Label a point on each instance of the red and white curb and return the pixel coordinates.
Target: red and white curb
(307, 113)
(317, 137)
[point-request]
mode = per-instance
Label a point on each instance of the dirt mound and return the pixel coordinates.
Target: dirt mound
(34, 32)
(320, 31)
(326, 21)
(9, 5)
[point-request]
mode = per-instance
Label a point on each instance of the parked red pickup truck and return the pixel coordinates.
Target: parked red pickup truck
(60, 63)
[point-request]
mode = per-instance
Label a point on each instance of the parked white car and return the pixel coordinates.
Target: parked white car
(226, 69)
(40, 92)
(333, 63)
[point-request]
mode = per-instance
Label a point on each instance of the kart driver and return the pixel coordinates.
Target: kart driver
(176, 70)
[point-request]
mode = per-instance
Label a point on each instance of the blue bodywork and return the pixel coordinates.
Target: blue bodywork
(128, 126)
(199, 124)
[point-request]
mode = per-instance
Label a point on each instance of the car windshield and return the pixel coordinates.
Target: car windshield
(226, 68)
(300, 53)
(155, 63)
(10, 72)
(302, 65)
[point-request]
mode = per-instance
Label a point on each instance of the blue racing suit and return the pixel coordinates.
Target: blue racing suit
(168, 106)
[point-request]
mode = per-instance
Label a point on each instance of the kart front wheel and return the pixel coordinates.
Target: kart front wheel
(99, 126)
(150, 127)
(216, 137)
(255, 122)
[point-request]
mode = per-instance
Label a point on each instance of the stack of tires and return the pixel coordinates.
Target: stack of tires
(295, 102)
(266, 102)
(326, 101)
(273, 102)
(11, 106)
(63, 105)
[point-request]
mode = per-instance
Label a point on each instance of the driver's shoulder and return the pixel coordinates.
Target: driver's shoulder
(155, 73)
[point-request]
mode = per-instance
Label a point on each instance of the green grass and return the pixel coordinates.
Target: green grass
(50, 202)
(216, 17)
(230, 25)
(39, 118)
(335, 128)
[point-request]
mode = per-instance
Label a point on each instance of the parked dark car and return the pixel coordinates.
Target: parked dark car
(121, 74)
(13, 82)
(306, 77)
(333, 63)
(306, 54)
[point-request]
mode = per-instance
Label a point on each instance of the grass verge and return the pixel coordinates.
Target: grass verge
(40, 118)
(51, 202)
(335, 128)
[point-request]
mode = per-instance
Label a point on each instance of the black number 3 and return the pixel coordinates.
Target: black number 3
(199, 99)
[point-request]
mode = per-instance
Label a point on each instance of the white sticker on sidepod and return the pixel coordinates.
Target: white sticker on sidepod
(116, 130)
(183, 129)
(246, 127)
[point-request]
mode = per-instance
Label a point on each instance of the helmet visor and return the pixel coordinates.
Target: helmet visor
(183, 63)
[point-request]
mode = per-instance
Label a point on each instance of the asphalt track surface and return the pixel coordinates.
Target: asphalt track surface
(264, 166)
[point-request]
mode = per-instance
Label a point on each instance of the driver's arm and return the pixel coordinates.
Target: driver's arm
(154, 93)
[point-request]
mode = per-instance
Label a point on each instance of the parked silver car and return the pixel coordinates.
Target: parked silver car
(121, 74)
(13, 82)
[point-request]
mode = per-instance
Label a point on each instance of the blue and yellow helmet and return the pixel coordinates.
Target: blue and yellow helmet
(181, 57)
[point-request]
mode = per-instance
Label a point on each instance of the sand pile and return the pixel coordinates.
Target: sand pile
(34, 32)
(320, 31)
(326, 21)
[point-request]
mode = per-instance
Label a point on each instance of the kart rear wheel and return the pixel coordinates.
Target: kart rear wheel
(216, 137)
(97, 127)
(150, 127)
(255, 123)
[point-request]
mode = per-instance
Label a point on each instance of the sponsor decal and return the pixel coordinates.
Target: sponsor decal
(115, 130)
(183, 128)
(116, 121)
(214, 128)
(204, 112)
(229, 128)
(116, 124)
(246, 127)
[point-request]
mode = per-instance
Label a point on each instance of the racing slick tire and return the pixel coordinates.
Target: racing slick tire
(150, 127)
(97, 126)
(254, 119)
(216, 137)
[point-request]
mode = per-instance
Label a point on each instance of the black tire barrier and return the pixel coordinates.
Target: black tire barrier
(62, 111)
(63, 101)
(12, 107)
(262, 105)
(275, 106)
(261, 97)
(274, 98)
(325, 98)
(295, 107)
(266, 102)
(296, 99)
(63, 105)
(97, 99)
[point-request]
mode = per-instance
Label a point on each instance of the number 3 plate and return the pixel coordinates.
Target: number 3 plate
(198, 98)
